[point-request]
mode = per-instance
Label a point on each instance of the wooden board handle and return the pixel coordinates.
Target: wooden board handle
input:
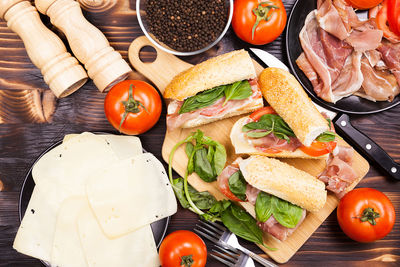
(169, 64)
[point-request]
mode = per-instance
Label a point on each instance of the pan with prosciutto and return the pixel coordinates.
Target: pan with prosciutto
(280, 193)
(291, 127)
(218, 88)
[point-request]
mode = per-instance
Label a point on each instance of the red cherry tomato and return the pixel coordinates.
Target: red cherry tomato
(142, 106)
(183, 248)
(258, 22)
(366, 214)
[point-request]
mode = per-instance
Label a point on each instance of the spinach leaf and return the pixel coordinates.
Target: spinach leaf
(210, 153)
(327, 136)
(219, 158)
(220, 206)
(203, 200)
(202, 166)
(237, 185)
(189, 149)
(263, 206)
(242, 224)
(202, 99)
(238, 91)
(286, 213)
(270, 123)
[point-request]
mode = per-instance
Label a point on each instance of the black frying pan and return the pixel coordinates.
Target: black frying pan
(349, 105)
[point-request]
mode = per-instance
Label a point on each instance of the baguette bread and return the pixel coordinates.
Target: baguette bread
(284, 181)
(224, 69)
(286, 96)
(243, 147)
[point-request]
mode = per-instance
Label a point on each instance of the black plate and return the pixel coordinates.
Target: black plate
(351, 104)
(159, 228)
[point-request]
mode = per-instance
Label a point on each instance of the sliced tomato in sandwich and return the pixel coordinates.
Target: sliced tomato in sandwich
(319, 148)
(256, 115)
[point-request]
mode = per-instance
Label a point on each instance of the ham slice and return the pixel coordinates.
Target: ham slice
(330, 20)
(365, 37)
(251, 194)
(391, 56)
(339, 173)
(274, 228)
(227, 172)
(217, 110)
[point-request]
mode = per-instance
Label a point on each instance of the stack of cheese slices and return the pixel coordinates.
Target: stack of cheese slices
(94, 200)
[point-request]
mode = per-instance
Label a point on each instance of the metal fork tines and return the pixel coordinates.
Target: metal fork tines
(218, 234)
(230, 258)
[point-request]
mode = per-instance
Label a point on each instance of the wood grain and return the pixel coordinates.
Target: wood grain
(21, 141)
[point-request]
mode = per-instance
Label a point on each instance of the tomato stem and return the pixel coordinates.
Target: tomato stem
(369, 215)
(187, 261)
(131, 106)
(261, 12)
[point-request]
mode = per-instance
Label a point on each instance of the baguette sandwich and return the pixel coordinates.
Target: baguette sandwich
(280, 193)
(221, 87)
(291, 127)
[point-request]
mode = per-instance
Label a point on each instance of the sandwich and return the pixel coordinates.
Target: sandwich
(218, 88)
(290, 127)
(280, 193)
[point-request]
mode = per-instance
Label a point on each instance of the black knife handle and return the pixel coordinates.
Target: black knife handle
(366, 146)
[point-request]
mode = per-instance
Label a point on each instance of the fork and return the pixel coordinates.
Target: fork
(218, 234)
(231, 259)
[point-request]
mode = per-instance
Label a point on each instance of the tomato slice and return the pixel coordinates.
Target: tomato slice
(393, 13)
(382, 22)
(318, 148)
(256, 115)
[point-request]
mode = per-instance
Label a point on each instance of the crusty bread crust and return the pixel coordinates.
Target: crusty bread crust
(243, 147)
(224, 69)
(284, 181)
(256, 104)
(284, 93)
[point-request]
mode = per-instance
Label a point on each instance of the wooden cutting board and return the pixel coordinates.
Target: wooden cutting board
(160, 72)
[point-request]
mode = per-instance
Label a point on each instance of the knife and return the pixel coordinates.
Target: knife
(363, 143)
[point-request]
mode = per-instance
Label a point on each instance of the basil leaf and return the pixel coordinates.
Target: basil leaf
(238, 91)
(220, 206)
(258, 134)
(263, 207)
(202, 166)
(271, 123)
(237, 185)
(189, 149)
(179, 192)
(242, 224)
(203, 200)
(219, 158)
(286, 213)
(326, 137)
(210, 153)
(202, 99)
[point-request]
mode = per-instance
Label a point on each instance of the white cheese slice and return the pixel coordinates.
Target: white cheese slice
(36, 232)
(124, 146)
(130, 194)
(134, 249)
(71, 163)
(67, 250)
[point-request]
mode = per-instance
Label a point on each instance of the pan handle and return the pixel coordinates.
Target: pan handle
(367, 147)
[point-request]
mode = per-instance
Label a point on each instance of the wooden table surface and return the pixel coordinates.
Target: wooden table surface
(27, 128)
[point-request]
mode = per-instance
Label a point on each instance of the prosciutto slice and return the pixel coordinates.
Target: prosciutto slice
(365, 37)
(272, 142)
(378, 85)
(339, 174)
(217, 110)
(274, 228)
(391, 56)
(330, 20)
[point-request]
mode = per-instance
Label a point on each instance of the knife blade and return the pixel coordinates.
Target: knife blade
(363, 143)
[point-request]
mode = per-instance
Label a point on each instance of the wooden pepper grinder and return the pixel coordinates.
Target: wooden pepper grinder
(60, 70)
(104, 65)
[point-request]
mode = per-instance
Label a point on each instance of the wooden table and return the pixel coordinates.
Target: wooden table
(26, 130)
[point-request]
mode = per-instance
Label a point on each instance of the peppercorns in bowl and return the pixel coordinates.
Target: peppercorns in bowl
(184, 27)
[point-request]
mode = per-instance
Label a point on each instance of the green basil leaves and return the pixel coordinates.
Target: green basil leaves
(269, 123)
(236, 91)
(284, 212)
(326, 137)
(237, 185)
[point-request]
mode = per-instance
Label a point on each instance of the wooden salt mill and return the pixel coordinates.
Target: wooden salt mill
(104, 65)
(60, 70)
